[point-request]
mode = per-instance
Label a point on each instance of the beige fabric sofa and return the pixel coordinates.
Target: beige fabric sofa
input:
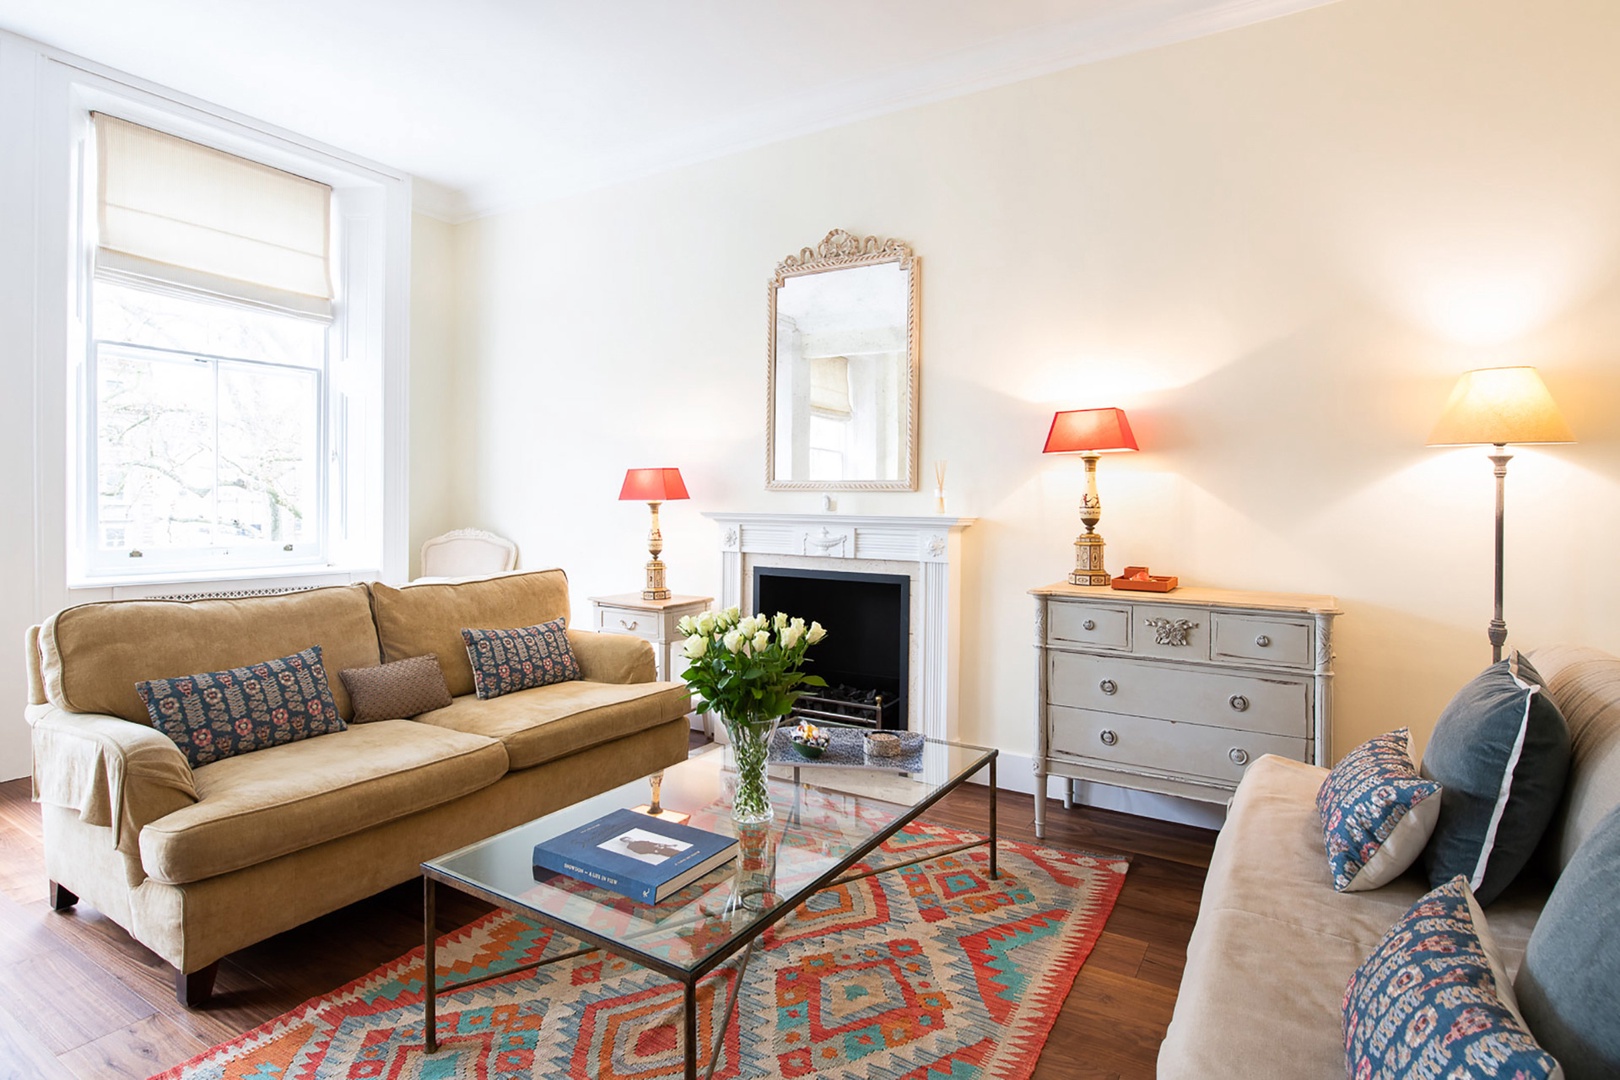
(1274, 945)
(197, 863)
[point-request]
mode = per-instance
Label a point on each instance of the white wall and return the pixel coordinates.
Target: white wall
(1275, 247)
(439, 468)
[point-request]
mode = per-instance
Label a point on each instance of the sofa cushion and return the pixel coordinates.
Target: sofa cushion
(259, 806)
(1270, 923)
(505, 661)
(1500, 752)
(1567, 985)
(219, 714)
(1586, 684)
(1433, 1000)
(553, 721)
(396, 690)
(428, 617)
(1377, 813)
(94, 654)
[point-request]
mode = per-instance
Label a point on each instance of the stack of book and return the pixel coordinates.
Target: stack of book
(636, 855)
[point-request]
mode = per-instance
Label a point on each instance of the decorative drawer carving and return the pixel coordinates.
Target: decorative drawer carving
(1175, 632)
(1228, 699)
(614, 620)
(1095, 625)
(1164, 746)
(1256, 639)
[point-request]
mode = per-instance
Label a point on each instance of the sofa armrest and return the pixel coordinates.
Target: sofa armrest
(613, 658)
(107, 770)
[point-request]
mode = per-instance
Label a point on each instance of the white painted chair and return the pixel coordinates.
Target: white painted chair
(467, 553)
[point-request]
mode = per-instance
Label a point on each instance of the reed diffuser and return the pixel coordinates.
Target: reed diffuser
(939, 487)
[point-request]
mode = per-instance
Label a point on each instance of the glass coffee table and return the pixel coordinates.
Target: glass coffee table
(829, 819)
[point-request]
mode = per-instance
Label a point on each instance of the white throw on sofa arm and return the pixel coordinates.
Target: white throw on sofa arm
(107, 770)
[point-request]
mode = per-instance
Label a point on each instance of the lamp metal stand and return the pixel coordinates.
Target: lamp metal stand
(1498, 630)
(655, 590)
(1088, 546)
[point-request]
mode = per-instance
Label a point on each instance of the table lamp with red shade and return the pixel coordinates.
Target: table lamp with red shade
(653, 486)
(1089, 432)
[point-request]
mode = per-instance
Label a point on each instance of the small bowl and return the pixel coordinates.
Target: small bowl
(892, 744)
(883, 744)
(811, 747)
(811, 750)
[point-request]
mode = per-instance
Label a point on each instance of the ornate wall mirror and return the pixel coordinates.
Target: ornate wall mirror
(842, 368)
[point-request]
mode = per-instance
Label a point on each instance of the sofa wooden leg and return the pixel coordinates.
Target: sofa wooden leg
(62, 899)
(193, 988)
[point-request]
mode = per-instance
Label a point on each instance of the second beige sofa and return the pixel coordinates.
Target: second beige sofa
(197, 863)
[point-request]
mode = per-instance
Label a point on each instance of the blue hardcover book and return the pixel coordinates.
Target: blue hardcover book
(640, 856)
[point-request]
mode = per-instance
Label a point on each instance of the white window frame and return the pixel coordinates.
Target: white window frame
(367, 505)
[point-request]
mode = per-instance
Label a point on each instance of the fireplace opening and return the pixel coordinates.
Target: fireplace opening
(864, 657)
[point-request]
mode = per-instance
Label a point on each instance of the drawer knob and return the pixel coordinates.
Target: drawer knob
(1263, 641)
(1108, 737)
(1238, 755)
(1089, 624)
(1238, 702)
(1108, 686)
(630, 625)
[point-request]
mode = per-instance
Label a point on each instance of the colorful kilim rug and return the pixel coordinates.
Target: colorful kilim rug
(933, 972)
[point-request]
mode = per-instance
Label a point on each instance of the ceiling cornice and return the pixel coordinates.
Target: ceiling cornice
(1000, 62)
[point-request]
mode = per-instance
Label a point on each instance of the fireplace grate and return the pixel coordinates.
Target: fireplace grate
(849, 706)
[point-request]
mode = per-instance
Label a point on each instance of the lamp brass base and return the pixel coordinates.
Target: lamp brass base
(655, 590)
(1088, 561)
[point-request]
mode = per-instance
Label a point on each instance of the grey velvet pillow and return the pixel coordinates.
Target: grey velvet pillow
(1500, 753)
(1567, 984)
(398, 690)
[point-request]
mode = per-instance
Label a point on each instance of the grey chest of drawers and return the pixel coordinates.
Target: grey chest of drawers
(1177, 692)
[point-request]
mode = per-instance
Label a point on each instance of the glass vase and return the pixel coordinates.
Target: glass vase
(750, 747)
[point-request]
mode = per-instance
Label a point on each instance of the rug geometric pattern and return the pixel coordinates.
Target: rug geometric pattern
(932, 972)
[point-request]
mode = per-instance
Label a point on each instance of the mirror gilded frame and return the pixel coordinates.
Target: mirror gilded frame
(893, 427)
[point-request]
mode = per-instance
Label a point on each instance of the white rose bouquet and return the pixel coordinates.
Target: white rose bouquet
(747, 670)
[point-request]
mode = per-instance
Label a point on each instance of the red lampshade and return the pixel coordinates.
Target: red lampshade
(653, 485)
(1089, 431)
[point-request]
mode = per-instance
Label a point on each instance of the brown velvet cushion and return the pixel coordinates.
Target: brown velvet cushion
(397, 690)
(428, 617)
(94, 654)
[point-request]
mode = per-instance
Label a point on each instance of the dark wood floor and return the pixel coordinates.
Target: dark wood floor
(79, 998)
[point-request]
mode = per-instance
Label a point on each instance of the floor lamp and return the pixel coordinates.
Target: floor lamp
(1498, 406)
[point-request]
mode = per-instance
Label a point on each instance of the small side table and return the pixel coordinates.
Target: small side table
(628, 613)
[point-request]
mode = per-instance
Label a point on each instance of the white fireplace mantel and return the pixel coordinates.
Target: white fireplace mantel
(927, 549)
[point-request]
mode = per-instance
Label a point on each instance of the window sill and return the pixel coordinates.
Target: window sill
(224, 582)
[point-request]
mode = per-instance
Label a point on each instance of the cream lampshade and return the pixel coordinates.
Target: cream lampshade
(1089, 432)
(1498, 406)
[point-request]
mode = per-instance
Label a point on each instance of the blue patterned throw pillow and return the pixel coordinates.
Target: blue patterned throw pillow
(1433, 1001)
(220, 714)
(504, 661)
(1376, 812)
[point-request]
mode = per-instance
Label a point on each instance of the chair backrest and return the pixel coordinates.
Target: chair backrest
(467, 553)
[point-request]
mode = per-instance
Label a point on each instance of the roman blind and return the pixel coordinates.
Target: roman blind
(829, 387)
(178, 215)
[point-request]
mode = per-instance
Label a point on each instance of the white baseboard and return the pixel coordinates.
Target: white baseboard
(1016, 772)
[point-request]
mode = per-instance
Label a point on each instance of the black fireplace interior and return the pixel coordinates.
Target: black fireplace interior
(868, 622)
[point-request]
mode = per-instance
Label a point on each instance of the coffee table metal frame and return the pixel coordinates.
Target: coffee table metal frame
(687, 977)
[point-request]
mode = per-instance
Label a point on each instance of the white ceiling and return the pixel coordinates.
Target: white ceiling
(493, 104)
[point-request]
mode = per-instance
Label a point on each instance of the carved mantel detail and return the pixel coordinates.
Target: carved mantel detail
(825, 544)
